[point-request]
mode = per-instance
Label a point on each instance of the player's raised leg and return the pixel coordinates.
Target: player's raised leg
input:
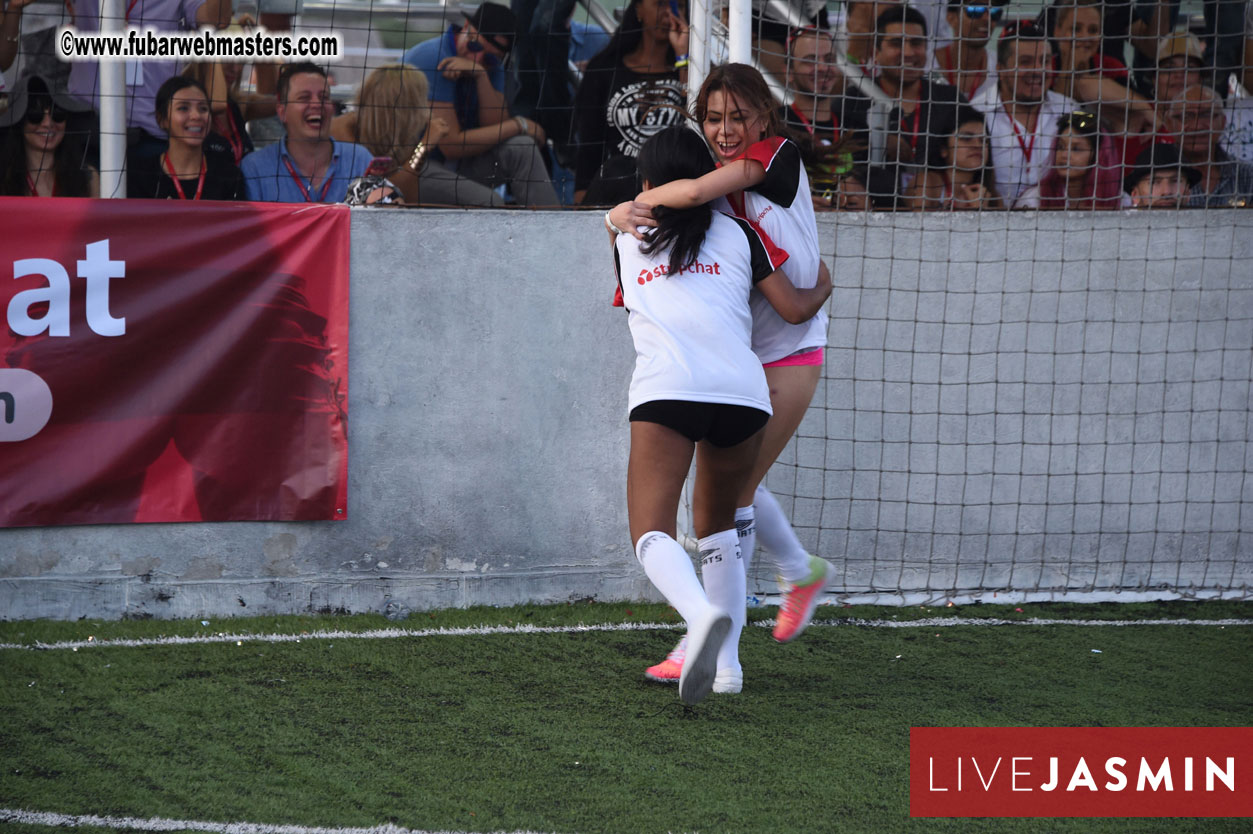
(791, 390)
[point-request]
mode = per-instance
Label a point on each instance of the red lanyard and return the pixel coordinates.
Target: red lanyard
(1026, 146)
(913, 129)
(233, 137)
(34, 189)
(835, 125)
(953, 76)
(326, 184)
(165, 157)
(804, 121)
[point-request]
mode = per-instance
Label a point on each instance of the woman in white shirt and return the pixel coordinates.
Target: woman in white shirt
(698, 388)
(761, 178)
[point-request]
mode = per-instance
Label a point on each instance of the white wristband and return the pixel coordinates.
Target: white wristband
(611, 227)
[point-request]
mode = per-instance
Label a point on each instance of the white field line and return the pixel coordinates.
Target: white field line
(160, 824)
(475, 631)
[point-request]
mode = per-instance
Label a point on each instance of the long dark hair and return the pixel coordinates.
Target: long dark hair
(673, 154)
(624, 40)
(161, 107)
(69, 163)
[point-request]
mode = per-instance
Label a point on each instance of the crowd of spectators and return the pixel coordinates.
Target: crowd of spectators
(938, 105)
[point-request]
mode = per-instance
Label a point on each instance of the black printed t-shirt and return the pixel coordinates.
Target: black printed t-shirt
(617, 110)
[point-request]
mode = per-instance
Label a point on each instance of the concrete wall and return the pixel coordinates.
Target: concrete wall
(1042, 401)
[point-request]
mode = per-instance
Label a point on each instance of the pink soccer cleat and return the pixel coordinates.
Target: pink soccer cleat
(799, 603)
(669, 670)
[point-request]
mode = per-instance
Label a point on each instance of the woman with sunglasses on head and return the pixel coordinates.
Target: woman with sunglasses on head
(1084, 173)
(761, 178)
(959, 175)
(635, 87)
(698, 388)
(184, 171)
(41, 155)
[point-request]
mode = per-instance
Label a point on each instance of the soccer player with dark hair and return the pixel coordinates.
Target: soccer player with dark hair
(698, 387)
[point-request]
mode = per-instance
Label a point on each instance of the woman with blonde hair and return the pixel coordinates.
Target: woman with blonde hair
(392, 117)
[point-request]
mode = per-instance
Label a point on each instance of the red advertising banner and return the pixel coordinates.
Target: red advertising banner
(170, 361)
(1081, 771)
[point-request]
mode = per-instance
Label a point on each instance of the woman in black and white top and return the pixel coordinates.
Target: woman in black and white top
(184, 171)
(697, 388)
(762, 179)
(633, 88)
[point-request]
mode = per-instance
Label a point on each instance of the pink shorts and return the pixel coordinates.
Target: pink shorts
(808, 356)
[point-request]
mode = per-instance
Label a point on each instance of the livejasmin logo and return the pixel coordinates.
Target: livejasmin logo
(1150, 777)
(1081, 771)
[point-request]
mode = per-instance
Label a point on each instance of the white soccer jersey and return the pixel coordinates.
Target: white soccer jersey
(782, 208)
(692, 330)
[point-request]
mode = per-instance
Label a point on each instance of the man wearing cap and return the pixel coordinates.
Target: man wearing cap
(1196, 114)
(1180, 59)
(1159, 179)
(465, 69)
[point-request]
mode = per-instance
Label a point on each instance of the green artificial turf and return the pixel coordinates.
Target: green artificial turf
(560, 732)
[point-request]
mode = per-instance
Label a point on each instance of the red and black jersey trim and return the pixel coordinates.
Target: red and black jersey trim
(764, 256)
(617, 271)
(782, 160)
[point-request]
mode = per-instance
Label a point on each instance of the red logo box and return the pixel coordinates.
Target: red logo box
(1081, 772)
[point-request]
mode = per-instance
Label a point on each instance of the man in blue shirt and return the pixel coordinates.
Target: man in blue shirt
(306, 166)
(467, 80)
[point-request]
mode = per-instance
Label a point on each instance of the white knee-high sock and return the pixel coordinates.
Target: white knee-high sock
(722, 569)
(670, 569)
(778, 537)
(746, 526)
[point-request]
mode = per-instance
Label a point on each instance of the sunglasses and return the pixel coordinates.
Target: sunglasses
(35, 113)
(976, 12)
(476, 46)
(489, 60)
(1083, 120)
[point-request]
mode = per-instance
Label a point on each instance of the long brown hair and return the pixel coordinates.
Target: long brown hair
(749, 89)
